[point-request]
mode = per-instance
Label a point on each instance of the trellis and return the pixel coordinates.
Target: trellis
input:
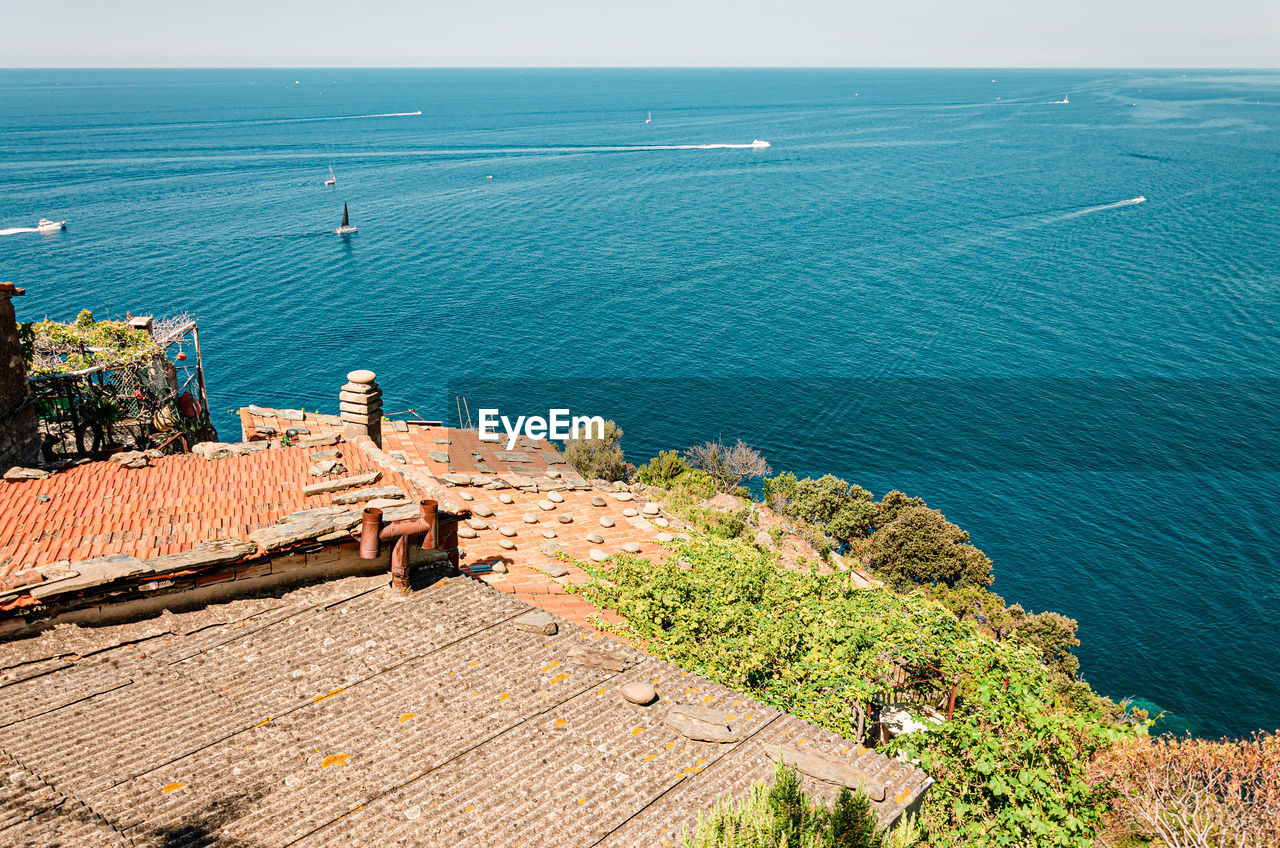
(157, 400)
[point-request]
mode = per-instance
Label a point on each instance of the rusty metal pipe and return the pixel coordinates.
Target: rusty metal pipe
(373, 532)
(370, 521)
(404, 527)
(449, 542)
(400, 565)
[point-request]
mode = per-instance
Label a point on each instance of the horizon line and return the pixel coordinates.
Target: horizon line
(1225, 68)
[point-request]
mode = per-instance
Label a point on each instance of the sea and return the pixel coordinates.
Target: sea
(1047, 302)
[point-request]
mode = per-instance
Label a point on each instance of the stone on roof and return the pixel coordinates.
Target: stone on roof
(341, 483)
(372, 493)
(202, 554)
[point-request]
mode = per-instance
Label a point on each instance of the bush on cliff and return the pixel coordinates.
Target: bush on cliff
(782, 815)
(839, 509)
(662, 470)
(1190, 793)
(918, 546)
(599, 459)
(1009, 764)
(728, 465)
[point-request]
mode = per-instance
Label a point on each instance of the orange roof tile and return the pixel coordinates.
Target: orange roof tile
(100, 508)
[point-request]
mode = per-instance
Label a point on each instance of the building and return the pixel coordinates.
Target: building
(19, 433)
(253, 678)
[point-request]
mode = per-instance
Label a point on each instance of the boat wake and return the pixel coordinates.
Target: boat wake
(620, 148)
(347, 117)
(275, 121)
(1133, 201)
(15, 230)
(751, 146)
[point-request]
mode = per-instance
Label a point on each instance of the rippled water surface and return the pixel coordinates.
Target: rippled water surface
(941, 282)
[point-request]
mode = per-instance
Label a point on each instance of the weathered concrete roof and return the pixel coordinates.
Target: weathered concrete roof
(345, 714)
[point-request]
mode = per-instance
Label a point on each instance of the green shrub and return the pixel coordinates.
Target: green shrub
(663, 469)
(599, 459)
(1050, 633)
(784, 816)
(837, 508)
(1010, 762)
(919, 546)
(725, 525)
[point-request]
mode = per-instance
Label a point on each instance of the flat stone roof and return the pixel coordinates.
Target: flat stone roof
(343, 713)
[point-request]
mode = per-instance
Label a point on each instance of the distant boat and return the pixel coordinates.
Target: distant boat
(758, 144)
(345, 229)
(332, 179)
(47, 226)
(1065, 99)
(649, 120)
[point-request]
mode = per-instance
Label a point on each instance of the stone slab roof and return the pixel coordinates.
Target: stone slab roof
(433, 447)
(346, 714)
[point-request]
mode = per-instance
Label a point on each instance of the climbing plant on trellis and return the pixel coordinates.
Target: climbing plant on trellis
(103, 385)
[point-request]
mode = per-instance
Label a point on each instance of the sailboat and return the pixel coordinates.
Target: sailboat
(1065, 99)
(346, 229)
(332, 179)
(649, 120)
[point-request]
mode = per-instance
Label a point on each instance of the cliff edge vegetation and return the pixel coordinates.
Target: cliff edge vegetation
(770, 595)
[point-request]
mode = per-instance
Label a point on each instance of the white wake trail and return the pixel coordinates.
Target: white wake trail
(696, 147)
(1130, 202)
(14, 230)
(351, 117)
(615, 148)
(273, 121)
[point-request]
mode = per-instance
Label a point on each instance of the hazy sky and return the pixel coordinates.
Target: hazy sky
(430, 33)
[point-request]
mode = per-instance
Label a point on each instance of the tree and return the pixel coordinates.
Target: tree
(835, 507)
(892, 504)
(728, 466)
(599, 459)
(919, 546)
(1053, 634)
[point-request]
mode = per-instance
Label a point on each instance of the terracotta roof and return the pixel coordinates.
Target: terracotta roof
(433, 447)
(100, 508)
(427, 720)
(533, 558)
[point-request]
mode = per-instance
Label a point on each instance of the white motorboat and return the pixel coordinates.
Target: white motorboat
(332, 179)
(649, 119)
(47, 226)
(758, 144)
(345, 229)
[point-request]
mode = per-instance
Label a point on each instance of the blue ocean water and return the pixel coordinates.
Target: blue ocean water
(936, 281)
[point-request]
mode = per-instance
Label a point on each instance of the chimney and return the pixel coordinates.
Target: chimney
(360, 406)
(19, 426)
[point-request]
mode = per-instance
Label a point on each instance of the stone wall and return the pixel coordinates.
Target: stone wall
(19, 429)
